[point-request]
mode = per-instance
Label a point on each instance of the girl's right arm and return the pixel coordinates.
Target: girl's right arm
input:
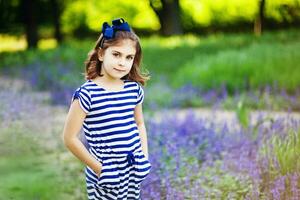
(72, 127)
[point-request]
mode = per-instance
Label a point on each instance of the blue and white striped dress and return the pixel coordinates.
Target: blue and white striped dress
(113, 139)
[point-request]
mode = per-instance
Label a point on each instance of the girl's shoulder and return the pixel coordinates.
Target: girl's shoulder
(133, 83)
(87, 85)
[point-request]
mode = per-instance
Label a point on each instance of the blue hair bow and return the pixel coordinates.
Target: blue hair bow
(117, 25)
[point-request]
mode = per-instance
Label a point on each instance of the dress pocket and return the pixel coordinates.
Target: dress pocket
(109, 177)
(146, 160)
(98, 176)
(142, 167)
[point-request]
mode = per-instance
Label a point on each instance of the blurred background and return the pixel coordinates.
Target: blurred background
(225, 79)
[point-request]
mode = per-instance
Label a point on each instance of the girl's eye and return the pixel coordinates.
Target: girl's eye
(130, 57)
(115, 54)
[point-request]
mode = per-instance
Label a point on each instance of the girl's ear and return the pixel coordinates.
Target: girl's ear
(100, 54)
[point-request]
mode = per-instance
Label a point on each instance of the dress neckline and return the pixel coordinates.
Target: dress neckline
(104, 89)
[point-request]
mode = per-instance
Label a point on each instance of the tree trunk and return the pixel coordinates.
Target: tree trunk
(169, 16)
(30, 22)
(259, 21)
(56, 20)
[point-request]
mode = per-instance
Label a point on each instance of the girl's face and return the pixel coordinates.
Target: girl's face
(117, 60)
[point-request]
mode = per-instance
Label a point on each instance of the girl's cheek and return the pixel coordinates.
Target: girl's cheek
(129, 63)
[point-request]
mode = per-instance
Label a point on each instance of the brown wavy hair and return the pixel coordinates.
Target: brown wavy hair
(93, 64)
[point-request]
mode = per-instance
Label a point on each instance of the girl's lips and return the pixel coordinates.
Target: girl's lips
(119, 70)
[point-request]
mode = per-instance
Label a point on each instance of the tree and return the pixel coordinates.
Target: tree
(24, 17)
(259, 21)
(168, 12)
(56, 20)
(28, 7)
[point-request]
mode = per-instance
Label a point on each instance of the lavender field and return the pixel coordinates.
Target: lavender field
(195, 153)
(222, 119)
(221, 106)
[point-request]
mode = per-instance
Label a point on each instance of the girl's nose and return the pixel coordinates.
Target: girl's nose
(122, 61)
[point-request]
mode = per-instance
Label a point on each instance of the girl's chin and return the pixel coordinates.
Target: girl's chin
(118, 76)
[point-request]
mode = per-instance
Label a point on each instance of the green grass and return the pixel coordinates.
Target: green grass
(282, 153)
(28, 177)
(241, 61)
(39, 177)
(31, 170)
(251, 68)
(285, 150)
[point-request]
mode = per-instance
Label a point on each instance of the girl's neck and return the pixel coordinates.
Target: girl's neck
(107, 81)
(109, 84)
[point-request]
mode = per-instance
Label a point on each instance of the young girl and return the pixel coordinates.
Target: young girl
(109, 108)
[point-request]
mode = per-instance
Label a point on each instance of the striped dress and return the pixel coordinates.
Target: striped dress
(113, 139)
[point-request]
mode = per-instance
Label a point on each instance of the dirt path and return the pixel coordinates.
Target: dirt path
(222, 117)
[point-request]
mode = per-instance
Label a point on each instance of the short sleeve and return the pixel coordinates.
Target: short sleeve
(140, 96)
(84, 98)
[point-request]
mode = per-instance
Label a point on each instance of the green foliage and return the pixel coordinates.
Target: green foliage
(283, 10)
(91, 14)
(220, 184)
(28, 178)
(161, 98)
(80, 17)
(242, 114)
(240, 62)
(283, 153)
(31, 176)
(243, 65)
(69, 51)
(82, 14)
(32, 167)
(208, 12)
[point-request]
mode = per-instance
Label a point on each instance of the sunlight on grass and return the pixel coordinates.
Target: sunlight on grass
(9, 43)
(12, 43)
(173, 41)
(47, 43)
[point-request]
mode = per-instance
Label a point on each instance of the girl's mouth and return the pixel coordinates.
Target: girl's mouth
(119, 70)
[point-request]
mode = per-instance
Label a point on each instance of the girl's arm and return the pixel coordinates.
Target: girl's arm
(72, 127)
(139, 119)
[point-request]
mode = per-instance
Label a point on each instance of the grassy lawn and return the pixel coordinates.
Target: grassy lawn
(38, 173)
(40, 177)
(240, 61)
(30, 177)
(34, 164)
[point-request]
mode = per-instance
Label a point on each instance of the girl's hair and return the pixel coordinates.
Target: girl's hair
(93, 64)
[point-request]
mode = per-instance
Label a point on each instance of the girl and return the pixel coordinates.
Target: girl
(109, 107)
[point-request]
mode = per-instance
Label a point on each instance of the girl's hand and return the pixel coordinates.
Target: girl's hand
(98, 170)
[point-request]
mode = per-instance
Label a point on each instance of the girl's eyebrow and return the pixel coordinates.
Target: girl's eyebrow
(115, 51)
